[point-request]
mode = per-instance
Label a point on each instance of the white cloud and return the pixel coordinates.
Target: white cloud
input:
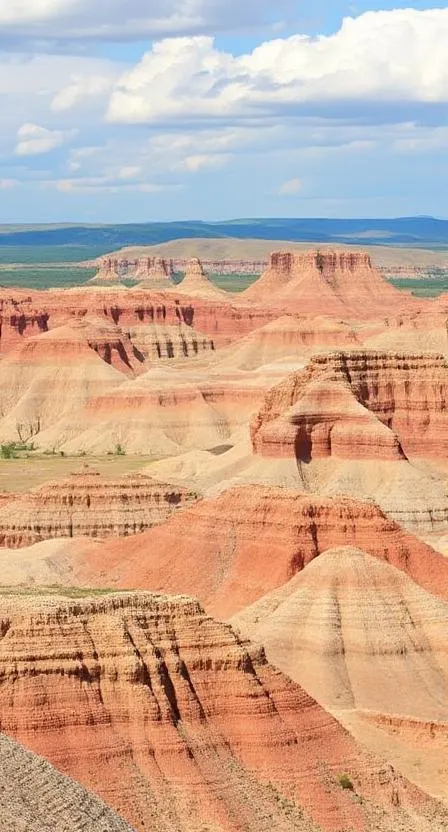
(80, 89)
(129, 172)
(101, 185)
(35, 140)
(291, 187)
(379, 56)
(7, 184)
(115, 19)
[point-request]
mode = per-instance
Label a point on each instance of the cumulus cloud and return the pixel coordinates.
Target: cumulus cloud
(80, 89)
(134, 19)
(291, 187)
(381, 56)
(35, 140)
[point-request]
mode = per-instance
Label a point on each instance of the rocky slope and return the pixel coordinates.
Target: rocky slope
(196, 283)
(89, 505)
(250, 540)
(363, 404)
(198, 731)
(34, 797)
(339, 283)
(349, 620)
(53, 375)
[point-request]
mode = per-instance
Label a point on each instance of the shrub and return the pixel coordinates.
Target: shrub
(119, 450)
(8, 451)
(345, 782)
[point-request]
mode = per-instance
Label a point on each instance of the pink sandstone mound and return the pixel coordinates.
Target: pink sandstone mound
(178, 724)
(89, 505)
(337, 283)
(196, 283)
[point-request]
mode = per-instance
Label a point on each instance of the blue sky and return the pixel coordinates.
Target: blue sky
(210, 109)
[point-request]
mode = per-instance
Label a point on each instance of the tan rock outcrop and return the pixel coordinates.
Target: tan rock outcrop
(197, 284)
(357, 633)
(89, 505)
(160, 342)
(153, 273)
(180, 725)
(34, 797)
(108, 272)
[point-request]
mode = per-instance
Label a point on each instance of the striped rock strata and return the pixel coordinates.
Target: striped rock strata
(181, 726)
(89, 505)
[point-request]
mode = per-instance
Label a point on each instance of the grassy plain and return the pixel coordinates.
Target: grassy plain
(24, 473)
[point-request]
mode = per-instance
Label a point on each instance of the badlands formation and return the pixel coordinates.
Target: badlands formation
(278, 462)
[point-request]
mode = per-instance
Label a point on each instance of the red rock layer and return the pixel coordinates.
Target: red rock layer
(250, 540)
(332, 282)
(36, 798)
(358, 405)
(23, 315)
(179, 725)
(89, 505)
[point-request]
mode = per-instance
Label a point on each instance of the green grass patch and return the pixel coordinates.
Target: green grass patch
(56, 590)
(432, 286)
(40, 255)
(42, 277)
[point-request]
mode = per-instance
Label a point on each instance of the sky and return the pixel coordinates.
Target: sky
(159, 110)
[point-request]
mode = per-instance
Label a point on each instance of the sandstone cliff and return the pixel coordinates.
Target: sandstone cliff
(362, 404)
(180, 725)
(153, 273)
(108, 271)
(224, 319)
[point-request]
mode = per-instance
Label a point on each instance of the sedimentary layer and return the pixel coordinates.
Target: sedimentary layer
(89, 505)
(180, 725)
(362, 404)
(253, 539)
(357, 632)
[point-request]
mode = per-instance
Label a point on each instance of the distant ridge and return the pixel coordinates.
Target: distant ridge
(399, 231)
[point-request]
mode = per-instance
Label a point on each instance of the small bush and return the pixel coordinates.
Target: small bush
(119, 450)
(8, 451)
(345, 782)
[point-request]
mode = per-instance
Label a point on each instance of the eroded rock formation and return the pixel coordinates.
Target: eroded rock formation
(89, 505)
(198, 731)
(341, 283)
(357, 633)
(197, 284)
(358, 405)
(252, 539)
